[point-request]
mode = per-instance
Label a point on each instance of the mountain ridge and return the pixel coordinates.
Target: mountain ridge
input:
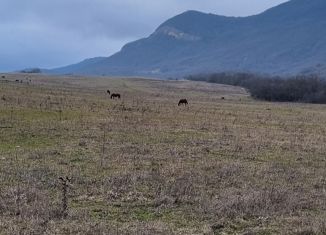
(286, 39)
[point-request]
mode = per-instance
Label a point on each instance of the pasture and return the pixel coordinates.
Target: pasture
(74, 161)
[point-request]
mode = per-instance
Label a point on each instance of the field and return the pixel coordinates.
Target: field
(73, 161)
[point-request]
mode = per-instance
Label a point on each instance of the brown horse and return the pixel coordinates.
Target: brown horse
(108, 91)
(183, 101)
(113, 96)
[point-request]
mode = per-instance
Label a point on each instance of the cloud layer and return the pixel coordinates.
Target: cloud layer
(51, 33)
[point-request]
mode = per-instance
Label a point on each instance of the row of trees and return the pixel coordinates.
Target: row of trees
(308, 89)
(31, 70)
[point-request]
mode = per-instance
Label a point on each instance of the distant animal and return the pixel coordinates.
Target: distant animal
(3, 76)
(183, 101)
(222, 98)
(114, 95)
(17, 80)
(108, 91)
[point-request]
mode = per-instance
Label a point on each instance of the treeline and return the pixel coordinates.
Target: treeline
(31, 70)
(308, 89)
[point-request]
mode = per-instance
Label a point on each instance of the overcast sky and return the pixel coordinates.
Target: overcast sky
(52, 33)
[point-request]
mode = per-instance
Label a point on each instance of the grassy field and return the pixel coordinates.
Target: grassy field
(143, 165)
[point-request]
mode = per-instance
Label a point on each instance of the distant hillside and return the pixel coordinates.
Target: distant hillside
(287, 39)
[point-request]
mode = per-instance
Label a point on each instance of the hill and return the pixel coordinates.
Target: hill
(287, 39)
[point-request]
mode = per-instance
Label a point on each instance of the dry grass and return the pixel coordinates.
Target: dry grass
(143, 165)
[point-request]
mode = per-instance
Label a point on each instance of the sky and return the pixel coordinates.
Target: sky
(54, 33)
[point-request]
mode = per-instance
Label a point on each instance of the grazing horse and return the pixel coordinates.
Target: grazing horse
(108, 91)
(113, 96)
(183, 101)
(222, 98)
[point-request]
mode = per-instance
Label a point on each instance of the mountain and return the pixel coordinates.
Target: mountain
(287, 39)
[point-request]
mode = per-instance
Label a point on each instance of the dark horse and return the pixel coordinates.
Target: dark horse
(183, 101)
(108, 91)
(113, 96)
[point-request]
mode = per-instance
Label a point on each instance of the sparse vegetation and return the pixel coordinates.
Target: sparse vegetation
(307, 89)
(143, 165)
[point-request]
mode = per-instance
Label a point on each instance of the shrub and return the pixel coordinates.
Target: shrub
(308, 89)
